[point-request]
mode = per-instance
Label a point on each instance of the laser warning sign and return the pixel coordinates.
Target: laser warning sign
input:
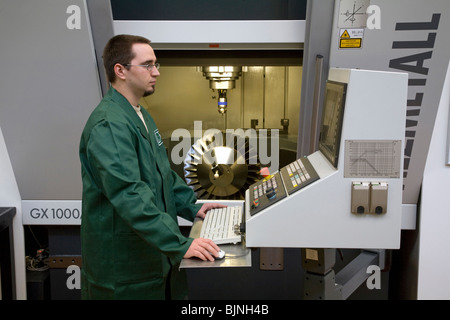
(350, 38)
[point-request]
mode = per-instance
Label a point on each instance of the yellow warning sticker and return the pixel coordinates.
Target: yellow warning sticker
(350, 43)
(351, 38)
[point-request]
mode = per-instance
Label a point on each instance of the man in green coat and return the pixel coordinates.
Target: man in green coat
(131, 242)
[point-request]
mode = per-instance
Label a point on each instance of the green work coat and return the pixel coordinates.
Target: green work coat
(131, 241)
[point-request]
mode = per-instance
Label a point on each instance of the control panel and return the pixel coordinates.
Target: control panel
(265, 192)
(298, 174)
(290, 178)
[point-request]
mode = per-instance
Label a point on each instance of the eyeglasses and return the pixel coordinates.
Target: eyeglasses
(149, 66)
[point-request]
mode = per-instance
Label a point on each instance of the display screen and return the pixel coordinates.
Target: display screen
(331, 124)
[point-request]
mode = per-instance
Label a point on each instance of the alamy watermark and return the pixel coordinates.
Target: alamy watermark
(74, 279)
(374, 280)
(259, 143)
(374, 17)
(73, 21)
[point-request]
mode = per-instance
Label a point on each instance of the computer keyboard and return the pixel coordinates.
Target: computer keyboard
(219, 225)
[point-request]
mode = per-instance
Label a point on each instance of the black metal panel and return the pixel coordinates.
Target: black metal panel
(7, 263)
(230, 57)
(209, 10)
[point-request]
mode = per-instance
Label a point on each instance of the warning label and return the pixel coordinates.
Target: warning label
(350, 38)
(345, 34)
(350, 43)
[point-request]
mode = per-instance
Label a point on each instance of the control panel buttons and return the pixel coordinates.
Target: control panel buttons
(265, 192)
(270, 193)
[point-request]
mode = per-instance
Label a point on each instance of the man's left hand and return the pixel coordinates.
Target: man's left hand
(208, 206)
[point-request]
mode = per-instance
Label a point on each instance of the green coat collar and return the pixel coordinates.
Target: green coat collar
(116, 96)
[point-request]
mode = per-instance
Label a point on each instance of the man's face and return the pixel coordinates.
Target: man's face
(141, 80)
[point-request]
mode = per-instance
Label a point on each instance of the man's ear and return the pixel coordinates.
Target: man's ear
(120, 70)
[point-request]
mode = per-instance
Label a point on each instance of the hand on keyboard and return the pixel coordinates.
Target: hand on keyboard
(220, 224)
(208, 206)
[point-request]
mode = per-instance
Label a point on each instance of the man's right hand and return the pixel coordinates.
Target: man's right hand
(204, 249)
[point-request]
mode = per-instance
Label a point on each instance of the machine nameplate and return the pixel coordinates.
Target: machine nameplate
(51, 212)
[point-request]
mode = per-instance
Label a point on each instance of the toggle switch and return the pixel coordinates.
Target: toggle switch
(360, 197)
(378, 194)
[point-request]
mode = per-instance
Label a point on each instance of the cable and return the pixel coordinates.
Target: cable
(38, 263)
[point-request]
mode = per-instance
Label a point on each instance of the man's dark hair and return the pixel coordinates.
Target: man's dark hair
(118, 50)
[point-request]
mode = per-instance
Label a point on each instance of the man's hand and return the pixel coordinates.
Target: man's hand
(204, 249)
(208, 206)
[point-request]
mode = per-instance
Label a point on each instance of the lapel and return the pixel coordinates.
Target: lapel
(155, 136)
(128, 109)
